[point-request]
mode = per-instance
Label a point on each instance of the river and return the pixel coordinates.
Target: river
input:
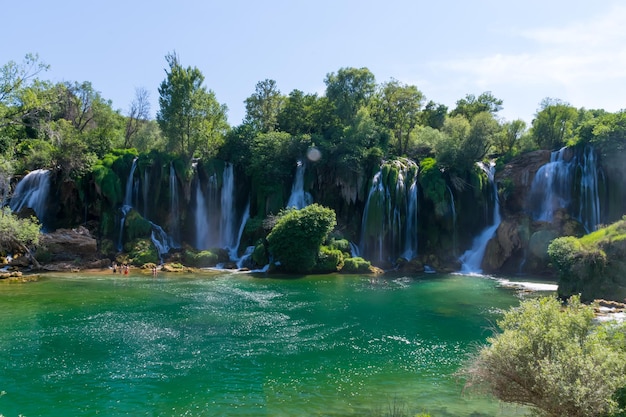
(227, 344)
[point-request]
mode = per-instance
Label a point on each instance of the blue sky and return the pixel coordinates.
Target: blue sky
(521, 51)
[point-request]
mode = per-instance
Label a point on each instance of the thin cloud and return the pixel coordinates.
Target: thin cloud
(572, 56)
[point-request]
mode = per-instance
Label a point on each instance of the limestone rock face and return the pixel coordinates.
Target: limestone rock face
(516, 178)
(68, 244)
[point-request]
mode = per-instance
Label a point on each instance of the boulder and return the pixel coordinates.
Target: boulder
(70, 244)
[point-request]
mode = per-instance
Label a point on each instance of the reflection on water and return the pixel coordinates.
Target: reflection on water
(239, 345)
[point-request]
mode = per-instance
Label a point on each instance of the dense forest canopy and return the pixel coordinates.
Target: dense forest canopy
(357, 121)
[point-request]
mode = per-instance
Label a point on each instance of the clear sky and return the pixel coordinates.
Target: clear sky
(521, 51)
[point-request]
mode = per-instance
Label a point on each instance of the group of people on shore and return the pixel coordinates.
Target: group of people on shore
(124, 269)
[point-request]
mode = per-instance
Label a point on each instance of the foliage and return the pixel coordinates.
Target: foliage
(553, 358)
(398, 109)
(297, 236)
(141, 251)
(190, 117)
(356, 265)
(340, 244)
(563, 252)
(349, 90)
(202, 259)
(431, 181)
(329, 260)
(471, 105)
(264, 106)
(17, 234)
(553, 125)
(135, 226)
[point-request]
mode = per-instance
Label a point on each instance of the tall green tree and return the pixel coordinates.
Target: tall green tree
(398, 108)
(190, 117)
(297, 114)
(348, 90)
(263, 107)
(509, 136)
(471, 105)
(554, 124)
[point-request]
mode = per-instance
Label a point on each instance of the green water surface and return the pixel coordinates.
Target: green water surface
(239, 345)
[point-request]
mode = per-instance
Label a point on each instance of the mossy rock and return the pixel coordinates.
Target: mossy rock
(202, 259)
(328, 260)
(141, 251)
(135, 226)
(356, 265)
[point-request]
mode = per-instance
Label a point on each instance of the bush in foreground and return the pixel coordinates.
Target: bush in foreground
(555, 359)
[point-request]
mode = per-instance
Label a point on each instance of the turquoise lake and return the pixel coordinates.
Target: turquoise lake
(240, 345)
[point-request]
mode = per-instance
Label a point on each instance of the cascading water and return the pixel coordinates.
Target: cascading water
(589, 207)
(299, 198)
(473, 257)
(410, 239)
(174, 205)
(127, 204)
(161, 240)
(551, 188)
(32, 192)
(215, 214)
(554, 186)
(389, 223)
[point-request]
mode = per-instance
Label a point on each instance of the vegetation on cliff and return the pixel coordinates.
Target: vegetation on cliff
(555, 359)
(592, 265)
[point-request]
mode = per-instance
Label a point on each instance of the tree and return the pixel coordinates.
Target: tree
(434, 115)
(554, 124)
(190, 117)
(18, 235)
(297, 114)
(398, 108)
(509, 136)
(349, 90)
(138, 115)
(296, 238)
(263, 107)
(15, 77)
(471, 105)
(554, 359)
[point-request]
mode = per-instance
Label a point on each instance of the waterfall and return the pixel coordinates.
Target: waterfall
(174, 205)
(215, 214)
(389, 223)
(32, 192)
(473, 257)
(228, 218)
(554, 185)
(551, 188)
(161, 240)
(127, 204)
(299, 198)
(410, 239)
(201, 218)
(589, 207)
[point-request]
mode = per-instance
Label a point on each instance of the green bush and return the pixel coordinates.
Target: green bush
(328, 260)
(202, 259)
(296, 238)
(17, 234)
(356, 265)
(555, 359)
(259, 256)
(342, 245)
(141, 251)
(563, 252)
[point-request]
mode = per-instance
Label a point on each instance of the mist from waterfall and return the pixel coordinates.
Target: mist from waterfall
(472, 259)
